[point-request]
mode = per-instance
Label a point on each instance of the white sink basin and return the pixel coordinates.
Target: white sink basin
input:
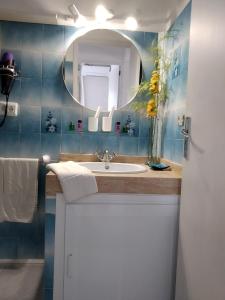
(99, 167)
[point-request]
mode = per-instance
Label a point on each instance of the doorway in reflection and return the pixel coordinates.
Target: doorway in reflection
(100, 82)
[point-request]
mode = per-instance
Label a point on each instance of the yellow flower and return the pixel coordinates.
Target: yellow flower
(154, 82)
(152, 114)
(154, 89)
(151, 109)
(151, 103)
(155, 74)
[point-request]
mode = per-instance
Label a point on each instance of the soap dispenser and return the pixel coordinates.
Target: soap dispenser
(117, 128)
(79, 126)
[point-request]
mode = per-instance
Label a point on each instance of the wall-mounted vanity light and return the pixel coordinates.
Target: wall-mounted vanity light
(102, 16)
(131, 23)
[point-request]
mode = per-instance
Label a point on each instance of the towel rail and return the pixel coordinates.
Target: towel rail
(45, 159)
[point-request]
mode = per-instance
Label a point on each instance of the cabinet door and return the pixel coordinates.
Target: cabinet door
(120, 251)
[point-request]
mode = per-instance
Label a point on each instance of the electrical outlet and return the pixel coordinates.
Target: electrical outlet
(12, 111)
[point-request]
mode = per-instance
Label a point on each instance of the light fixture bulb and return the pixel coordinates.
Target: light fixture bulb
(102, 14)
(131, 23)
(81, 21)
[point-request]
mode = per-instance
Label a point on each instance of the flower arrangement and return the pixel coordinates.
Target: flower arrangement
(152, 104)
(152, 96)
(154, 91)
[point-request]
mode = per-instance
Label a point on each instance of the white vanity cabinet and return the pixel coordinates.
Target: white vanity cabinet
(116, 247)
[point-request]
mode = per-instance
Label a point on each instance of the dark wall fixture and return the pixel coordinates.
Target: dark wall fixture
(8, 74)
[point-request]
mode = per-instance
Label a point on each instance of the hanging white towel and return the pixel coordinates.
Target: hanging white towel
(76, 181)
(18, 196)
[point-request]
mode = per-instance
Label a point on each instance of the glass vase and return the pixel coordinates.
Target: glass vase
(155, 137)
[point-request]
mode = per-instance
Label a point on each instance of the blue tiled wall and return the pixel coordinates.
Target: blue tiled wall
(49, 248)
(39, 51)
(177, 49)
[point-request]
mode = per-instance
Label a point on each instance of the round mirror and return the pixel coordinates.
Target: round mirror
(102, 68)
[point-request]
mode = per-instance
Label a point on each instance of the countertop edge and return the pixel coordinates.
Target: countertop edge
(150, 182)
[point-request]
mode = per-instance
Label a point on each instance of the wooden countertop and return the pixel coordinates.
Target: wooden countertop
(149, 182)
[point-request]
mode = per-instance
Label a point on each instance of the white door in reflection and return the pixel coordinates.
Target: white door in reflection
(99, 86)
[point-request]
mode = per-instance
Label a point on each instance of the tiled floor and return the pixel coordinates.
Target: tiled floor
(21, 281)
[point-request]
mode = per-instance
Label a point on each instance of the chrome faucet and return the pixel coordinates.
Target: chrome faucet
(106, 157)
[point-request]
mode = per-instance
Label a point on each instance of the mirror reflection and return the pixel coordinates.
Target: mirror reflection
(102, 68)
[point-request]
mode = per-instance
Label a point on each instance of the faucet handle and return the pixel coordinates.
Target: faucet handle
(102, 155)
(99, 155)
(113, 154)
(110, 155)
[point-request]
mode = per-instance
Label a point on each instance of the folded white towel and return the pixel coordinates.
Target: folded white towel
(18, 196)
(76, 181)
